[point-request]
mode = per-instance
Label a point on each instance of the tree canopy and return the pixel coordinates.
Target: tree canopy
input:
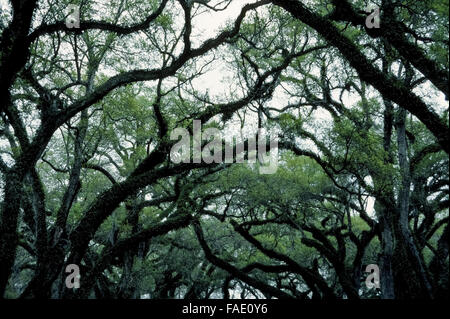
(359, 113)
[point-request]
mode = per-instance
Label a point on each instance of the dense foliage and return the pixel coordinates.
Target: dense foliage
(86, 176)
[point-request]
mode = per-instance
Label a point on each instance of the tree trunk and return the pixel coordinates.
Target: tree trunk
(411, 278)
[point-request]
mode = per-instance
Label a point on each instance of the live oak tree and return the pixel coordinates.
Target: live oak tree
(87, 178)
